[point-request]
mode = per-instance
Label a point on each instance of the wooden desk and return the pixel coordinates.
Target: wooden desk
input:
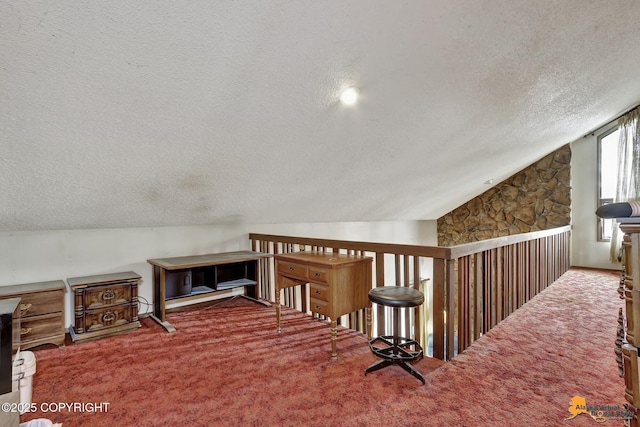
(192, 278)
(339, 285)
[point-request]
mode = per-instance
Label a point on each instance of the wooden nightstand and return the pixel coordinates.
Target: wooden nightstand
(41, 312)
(104, 305)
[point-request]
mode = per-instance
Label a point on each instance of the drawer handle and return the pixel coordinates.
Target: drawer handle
(25, 331)
(25, 307)
(291, 268)
(317, 274)
(317, 292)
(317, 307)
(108, 295)
(108, 317)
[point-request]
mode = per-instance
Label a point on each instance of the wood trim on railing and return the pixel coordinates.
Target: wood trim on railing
(452, 253)
(390, 248)
(459, 251)
(488, 280)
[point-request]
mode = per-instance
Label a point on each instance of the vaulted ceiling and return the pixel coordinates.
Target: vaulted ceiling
(146, 113)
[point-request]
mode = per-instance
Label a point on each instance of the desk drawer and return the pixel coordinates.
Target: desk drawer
(319, 292)
(320, 307)
(318, 274)
(293, 270)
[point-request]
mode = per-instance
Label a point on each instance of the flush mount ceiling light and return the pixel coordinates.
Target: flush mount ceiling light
(349, 96)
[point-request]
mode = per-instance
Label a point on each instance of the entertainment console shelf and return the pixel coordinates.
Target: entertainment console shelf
(192, 278)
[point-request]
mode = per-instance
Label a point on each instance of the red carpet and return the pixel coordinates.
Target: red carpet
(225, 366)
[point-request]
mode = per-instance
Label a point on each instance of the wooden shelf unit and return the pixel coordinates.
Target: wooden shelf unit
(191, 279)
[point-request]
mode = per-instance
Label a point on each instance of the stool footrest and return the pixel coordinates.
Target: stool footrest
(396, 348)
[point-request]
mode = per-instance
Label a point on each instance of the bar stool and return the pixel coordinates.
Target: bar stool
(394, 349)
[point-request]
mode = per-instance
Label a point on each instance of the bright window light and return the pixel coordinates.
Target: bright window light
(608, 173)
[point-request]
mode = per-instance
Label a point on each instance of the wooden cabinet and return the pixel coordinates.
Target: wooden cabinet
(629, 337)
(339, 284)
(41, 312)
(191, 279)
(104, 305)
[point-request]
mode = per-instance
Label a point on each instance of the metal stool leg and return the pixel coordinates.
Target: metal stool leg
(407, 367)
(398, 350)
(378, 365)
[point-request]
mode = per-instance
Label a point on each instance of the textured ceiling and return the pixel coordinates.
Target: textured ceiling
(146, 113)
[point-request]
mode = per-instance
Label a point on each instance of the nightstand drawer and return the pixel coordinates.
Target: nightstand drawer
(628, 280)
(45, 302)
(632, 309)
(109, 317)
(106, 296)
(41, 328)
(631, 377)
(319, 292)
(627, 261)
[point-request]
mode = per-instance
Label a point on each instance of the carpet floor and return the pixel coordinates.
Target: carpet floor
(226, 366)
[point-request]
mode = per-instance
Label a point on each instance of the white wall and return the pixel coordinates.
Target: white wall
(34, 256)
(586, 250)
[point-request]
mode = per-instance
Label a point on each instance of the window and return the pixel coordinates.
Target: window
(607, 176)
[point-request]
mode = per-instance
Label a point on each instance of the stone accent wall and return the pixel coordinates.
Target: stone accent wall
(536, 198)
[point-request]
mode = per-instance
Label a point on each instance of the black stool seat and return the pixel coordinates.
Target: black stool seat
(394, 349)
(396, 296)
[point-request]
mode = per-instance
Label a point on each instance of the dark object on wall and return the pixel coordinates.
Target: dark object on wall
(619, 210)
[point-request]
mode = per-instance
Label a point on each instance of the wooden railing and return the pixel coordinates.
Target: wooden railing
(468, 288)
